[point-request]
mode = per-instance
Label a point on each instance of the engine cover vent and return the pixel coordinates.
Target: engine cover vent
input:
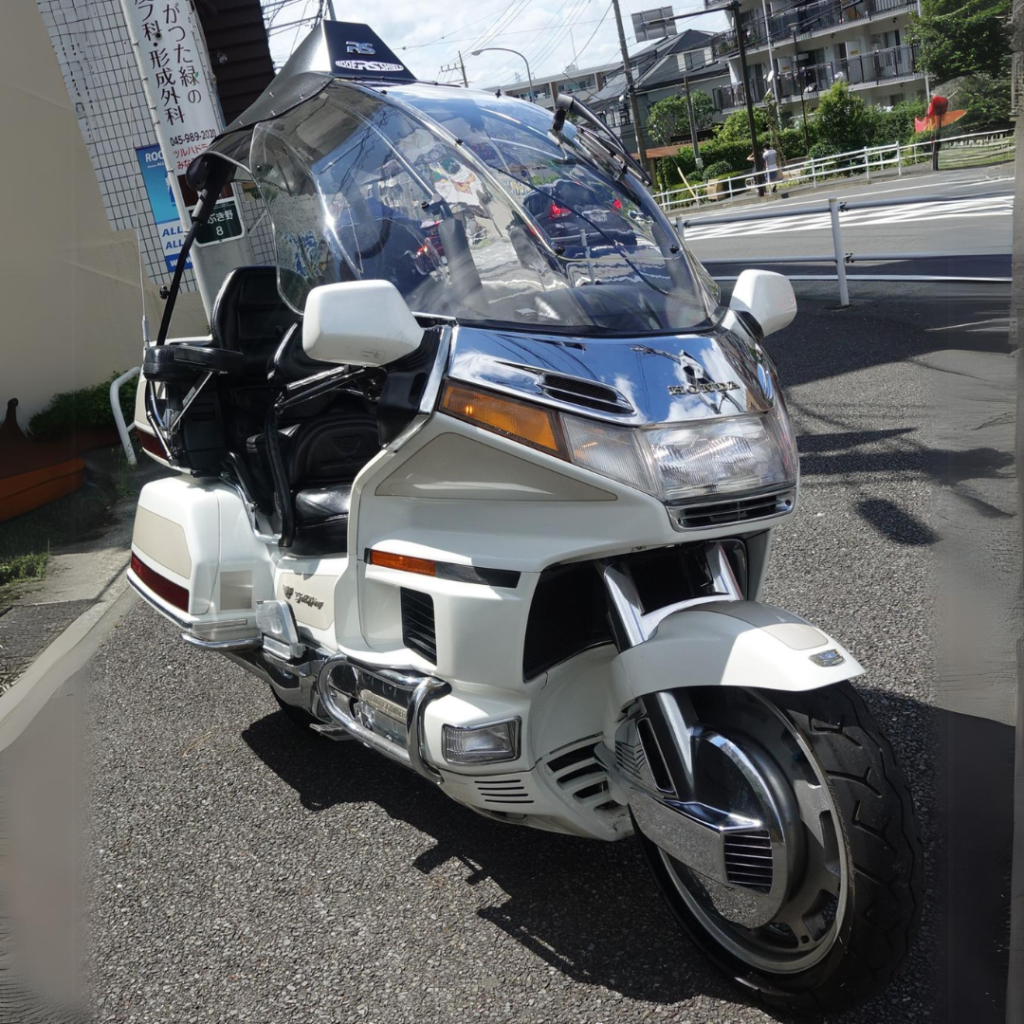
(748, 860)
(418, 633)
(723, 513)
(587, 393)
(630, 759)
(503, 791)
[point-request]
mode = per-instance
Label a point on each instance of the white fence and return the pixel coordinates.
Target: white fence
(967, 149)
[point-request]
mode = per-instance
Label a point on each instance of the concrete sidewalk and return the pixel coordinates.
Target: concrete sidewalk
(50, 627)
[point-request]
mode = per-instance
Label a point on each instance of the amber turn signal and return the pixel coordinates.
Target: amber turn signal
(529, 424)
(405, 563)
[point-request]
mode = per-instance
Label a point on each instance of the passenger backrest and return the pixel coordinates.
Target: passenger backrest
(249, 316)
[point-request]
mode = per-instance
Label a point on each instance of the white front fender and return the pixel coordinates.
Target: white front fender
(732, 643)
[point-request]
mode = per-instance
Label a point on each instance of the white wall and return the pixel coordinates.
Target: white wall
(69, 285)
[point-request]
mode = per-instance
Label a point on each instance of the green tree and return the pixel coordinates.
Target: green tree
(703, 109)
(963, 37)
(735, 127)
(842, 121)
(669, 118)
(987, 101)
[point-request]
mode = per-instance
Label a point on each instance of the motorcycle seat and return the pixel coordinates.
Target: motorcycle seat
(249, 317)
(321, 520)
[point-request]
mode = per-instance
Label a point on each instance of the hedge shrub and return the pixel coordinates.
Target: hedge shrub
(719, 169)
(84, 409)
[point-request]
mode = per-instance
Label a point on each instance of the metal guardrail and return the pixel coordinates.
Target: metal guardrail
(855, 161)
(839, 257)
(115, 406)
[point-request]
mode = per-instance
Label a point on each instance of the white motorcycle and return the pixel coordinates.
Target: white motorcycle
(498, 504)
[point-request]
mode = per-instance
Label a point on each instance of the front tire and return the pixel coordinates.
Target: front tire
(842, 945)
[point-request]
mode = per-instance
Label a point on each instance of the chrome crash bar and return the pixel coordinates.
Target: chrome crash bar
(424, 690)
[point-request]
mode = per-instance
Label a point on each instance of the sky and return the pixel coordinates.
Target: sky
(427, 36)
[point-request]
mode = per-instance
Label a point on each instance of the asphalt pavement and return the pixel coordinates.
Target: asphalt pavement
(971, 234)
(238, 870)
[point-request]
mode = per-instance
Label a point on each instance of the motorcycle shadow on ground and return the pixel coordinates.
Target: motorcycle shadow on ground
(576, 903)
(573, 902)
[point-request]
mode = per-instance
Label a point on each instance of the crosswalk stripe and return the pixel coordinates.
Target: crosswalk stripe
(990, 206)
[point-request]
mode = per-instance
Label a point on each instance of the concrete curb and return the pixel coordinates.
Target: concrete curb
(61, 659)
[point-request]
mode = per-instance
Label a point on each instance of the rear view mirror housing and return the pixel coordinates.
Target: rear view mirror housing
(767, 297)
(359, 323)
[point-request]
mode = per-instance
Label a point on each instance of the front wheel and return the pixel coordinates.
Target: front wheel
(853, 891)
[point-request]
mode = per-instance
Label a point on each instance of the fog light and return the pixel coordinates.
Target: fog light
(482, 744)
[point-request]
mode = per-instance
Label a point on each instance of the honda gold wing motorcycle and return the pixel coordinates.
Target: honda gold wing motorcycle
(481, 474)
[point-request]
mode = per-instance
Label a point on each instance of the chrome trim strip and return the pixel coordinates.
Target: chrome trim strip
(243, 644)
(249, 643)
(431, 391)
(638, 627)
(428, 401)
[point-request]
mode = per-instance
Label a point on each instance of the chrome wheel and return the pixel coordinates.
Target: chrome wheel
(808, 920)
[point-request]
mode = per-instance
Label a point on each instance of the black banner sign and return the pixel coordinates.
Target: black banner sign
(356, 51)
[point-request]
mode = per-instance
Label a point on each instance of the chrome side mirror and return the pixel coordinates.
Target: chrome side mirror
(767, 297)
(359, 323)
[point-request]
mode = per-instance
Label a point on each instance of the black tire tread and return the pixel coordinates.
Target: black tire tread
(877, 820)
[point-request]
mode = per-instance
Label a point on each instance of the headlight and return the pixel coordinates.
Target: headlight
(742, 453)
(713, 457)
(732, 455)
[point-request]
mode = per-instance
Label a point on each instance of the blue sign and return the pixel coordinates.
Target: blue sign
(161, 202)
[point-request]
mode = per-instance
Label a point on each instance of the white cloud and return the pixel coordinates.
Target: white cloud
(428, 38)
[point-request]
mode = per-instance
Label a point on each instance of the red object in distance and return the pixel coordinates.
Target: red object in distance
(559, 211)
(938, 106)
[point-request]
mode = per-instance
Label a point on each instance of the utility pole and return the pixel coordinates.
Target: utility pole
(799, 79)
(634, 102)
(1015, 975)
(734, 10)
(693, 124)
(462, 66)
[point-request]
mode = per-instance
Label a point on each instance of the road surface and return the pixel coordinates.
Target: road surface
(975, 228)
(240, 870)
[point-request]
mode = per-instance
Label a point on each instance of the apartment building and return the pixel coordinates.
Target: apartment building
(659, 71)
(581, 82)
(812, 44)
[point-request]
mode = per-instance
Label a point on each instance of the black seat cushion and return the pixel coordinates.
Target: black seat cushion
(333, 446)
(321, 520)
(249, 316)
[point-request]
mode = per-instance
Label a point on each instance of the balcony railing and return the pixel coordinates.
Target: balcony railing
(865, 69)
(803, 20)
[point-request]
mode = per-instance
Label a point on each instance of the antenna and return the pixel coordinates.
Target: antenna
(142, 289)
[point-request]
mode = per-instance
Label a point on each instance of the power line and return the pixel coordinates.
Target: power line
(607, 11)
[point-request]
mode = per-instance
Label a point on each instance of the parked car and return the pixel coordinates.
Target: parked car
(569, 212)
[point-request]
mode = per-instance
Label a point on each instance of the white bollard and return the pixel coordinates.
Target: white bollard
(837, 248)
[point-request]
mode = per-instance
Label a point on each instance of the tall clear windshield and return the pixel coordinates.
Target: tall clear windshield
(472, 209)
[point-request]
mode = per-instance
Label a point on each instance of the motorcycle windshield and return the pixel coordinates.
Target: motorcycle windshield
(473, 209)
